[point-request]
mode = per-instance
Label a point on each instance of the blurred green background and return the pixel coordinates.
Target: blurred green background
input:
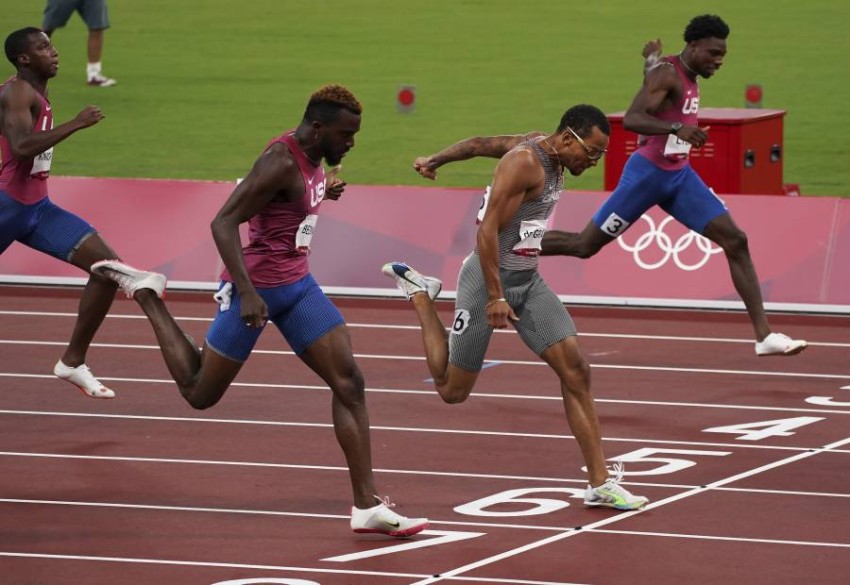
(203, 84)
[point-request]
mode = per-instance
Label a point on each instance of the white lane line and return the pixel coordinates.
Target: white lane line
(419, 358)
(424, 473)
(250, 464)
(204, 564)
(478, 395)
(613, 519)
(417, 328)
(727, 538)
(439, 431)
(476, 525)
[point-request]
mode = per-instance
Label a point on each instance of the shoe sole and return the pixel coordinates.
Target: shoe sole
(86, 392)
(786, 353)
(398, 533)
(614, 506)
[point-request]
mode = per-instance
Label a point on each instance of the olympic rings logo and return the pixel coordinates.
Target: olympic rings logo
(670, 250)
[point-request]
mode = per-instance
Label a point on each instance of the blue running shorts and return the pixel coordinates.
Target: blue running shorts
(300, 310)
(681, 193)
(42, 226)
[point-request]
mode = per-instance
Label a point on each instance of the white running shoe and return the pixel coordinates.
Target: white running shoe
(612, 495)
(779, 344)
(82, 378)
(382, 520)
(128, 278)
(411, 282)
(100, 80)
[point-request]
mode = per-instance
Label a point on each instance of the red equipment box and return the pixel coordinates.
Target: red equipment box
(743, 154)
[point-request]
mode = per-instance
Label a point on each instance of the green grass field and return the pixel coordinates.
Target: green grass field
(201, 90)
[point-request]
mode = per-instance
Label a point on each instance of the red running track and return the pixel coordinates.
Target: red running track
(142, 489)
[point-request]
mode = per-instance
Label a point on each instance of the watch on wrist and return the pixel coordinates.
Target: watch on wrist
(675, 127)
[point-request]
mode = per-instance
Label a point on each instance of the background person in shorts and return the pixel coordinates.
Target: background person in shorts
(96, 16)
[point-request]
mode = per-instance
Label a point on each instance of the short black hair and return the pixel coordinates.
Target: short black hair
(18, 42)
(326, 103)
(583, 118)
(706, 26)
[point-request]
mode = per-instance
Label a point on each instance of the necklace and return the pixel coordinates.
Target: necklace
(554, 150)
(685, 65)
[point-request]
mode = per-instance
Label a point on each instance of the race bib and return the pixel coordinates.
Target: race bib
(485, 200)
(530, 237)
(41, 164)
(461, 321)
(676, 147)
(305, 234)
(614, 225)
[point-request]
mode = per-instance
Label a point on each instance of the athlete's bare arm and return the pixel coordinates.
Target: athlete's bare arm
(661, 88)
(273, 174)
(480, 146)
(19, 108)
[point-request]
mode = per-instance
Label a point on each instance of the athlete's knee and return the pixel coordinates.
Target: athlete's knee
(199, 400)
(734, 242)
(453, 394)
(456, 383)
(350, 388)
(453, 391)
(197, 397)
(576, 378)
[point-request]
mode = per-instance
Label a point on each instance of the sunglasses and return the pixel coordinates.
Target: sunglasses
(592, 153)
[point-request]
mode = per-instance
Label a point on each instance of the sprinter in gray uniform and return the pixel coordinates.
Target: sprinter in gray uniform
(499, 283)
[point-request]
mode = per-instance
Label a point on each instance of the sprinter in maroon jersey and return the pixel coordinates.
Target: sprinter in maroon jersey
(27, 215)
(269, 280)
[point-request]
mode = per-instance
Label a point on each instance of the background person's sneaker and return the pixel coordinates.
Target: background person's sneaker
(381, 519)
(99, 80)
(779, 344)
(128, 278)
(82, 378)
(410, 282)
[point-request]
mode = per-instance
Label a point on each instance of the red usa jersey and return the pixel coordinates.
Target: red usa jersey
(25, 180)
(280, 234)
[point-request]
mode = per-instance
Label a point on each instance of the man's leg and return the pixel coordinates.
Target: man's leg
(94, 47)
(696, 206)
(453, 384)
(723, 232)
(95, 301)
(566, 359)
(331, 357)
(202, 377)
(581, 245)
